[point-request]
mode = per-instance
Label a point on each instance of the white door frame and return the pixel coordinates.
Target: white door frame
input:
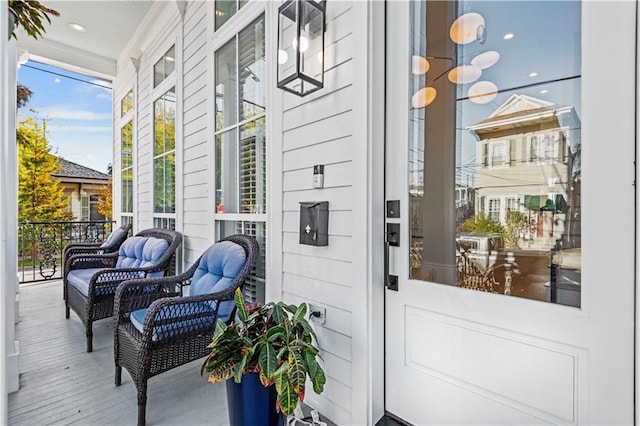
(622, 166)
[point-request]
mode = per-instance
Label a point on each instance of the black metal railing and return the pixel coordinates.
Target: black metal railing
(40, 245)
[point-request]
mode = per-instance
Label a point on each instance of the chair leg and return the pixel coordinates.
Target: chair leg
(142, 414)
(142, 403)
(89, 336)
(66, 311)
(118, 377)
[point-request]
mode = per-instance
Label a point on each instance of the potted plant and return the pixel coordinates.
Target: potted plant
(271, 346)
(29, 15)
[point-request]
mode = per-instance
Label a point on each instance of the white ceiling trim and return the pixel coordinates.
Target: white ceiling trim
(76, 60)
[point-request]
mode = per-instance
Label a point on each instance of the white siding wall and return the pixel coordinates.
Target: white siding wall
(328, 127)
(198, 135)
(320, 129)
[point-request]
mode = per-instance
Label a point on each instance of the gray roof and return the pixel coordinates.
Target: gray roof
(73, 170)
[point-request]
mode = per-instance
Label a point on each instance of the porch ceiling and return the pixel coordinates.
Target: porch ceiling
(109, 27)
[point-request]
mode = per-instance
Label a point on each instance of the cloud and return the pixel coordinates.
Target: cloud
(79, 129)
(57, 80)
(104, 96)
(64, 113)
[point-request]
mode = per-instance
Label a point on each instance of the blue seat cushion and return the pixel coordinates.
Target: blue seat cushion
(79, 278)
(141, 252)
(217, 269)
(112, 237)
(174, 329)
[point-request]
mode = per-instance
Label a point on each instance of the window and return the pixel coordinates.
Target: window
(164, 153)
(164, 67)
(225, 9)
(543, 148)
(513, 204)
(126, 104)
(499, 153)
(240, 139)
(494, 209)
(126, 155)
(84, 207)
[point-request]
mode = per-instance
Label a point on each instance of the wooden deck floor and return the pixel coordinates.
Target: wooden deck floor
(61, 384)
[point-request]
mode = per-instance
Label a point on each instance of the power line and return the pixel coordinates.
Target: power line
(66, 76)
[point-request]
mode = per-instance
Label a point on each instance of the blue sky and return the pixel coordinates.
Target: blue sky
(78, 115)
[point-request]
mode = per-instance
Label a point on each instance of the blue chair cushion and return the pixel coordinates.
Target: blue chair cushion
(80, 278)
(141, 252)
(166, 331)
(216, 271)
(112, 237)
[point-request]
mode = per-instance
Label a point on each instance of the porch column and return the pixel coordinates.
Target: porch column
(8, 215)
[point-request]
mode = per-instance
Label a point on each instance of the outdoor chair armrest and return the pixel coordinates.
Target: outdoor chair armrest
(89, 246)
(139, 293)
(84, 261)
(151, 321)
(112, 277)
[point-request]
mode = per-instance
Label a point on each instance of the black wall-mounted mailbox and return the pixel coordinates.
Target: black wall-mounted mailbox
(314, 223)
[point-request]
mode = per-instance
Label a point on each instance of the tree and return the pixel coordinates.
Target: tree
(40, 198)
(105, 199)
(481, 224)
(515, 224)
(23, 95)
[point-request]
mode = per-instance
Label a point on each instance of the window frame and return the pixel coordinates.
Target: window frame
(170, 81)
(121, 121)
(244, 17)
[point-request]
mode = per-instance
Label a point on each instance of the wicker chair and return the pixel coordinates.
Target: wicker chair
(91, 280)
(110, 245)
(157, 328)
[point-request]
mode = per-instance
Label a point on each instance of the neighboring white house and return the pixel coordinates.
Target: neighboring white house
(207, 144)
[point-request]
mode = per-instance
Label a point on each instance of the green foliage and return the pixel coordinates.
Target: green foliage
(40, 198)
(31, 16)
(515, 224)
(481, 224)
(105, 199)
(23, 95)
(275, 341)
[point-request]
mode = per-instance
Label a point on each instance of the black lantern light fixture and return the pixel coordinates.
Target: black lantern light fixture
(301, 26)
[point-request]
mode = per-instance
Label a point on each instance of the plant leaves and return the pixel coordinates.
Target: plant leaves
(277, 314)
(238, 298)
(281, 378)
(297, 372)
(288, 400)
(276, 332)
(300, 313)
(312, 364)
(268, 360)
(318, 381)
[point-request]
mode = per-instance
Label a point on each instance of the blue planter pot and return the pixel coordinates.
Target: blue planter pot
(251, 404)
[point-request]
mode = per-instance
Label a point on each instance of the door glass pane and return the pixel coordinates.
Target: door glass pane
(494, 149)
